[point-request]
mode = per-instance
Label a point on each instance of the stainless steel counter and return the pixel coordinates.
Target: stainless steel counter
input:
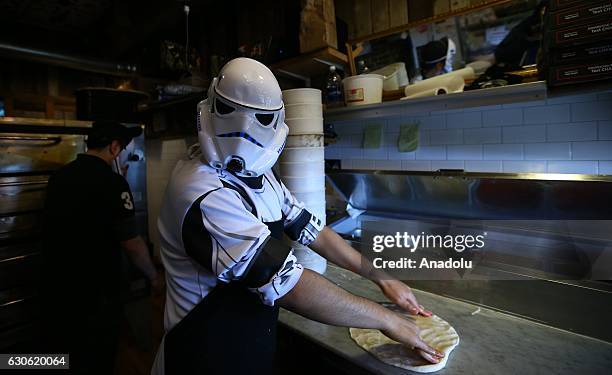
(491, 342)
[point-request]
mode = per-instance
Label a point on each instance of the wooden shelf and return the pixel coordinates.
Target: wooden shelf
(26, 121)
(311, 64)
(437, 18)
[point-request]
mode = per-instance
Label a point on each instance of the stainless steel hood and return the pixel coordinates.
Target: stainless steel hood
(546, 231)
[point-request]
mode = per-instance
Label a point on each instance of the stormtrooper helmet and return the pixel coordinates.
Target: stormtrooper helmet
(241, 124)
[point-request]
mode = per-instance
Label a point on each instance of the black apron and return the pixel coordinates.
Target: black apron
(230, 331)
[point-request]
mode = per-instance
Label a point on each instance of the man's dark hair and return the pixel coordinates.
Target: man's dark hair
(103, 133)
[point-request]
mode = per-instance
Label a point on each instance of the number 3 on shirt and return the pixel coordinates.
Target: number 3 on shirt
(127, 200)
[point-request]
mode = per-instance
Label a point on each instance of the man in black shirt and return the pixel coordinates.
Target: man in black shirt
(89, 220)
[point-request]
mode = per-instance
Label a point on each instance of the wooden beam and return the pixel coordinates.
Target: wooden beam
(352, 54)
(437, 18)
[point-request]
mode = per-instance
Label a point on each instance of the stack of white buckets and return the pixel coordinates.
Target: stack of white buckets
(302, 163)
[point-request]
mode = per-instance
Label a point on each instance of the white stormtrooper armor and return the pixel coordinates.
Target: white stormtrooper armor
(221, 228)
(241, 124)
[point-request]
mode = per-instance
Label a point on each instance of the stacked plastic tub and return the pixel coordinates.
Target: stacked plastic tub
(302, 163)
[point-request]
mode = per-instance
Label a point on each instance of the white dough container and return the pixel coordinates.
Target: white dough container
(304, 95)
(303, 110)
(305, 140)
(312, 196)
(363, 89)
(306, 169)
(304, 184)
(302, 154)
(299, 126)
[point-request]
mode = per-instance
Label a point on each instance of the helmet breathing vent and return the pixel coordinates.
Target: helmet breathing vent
(235, 165)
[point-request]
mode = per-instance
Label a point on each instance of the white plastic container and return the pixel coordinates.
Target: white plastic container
(395, 76)
(302, 110)
(305, 95)
(305, 140)
(312, 196)
(298, 126)
(314, 202)
(302, 154)
(363, 89)
(304, 184)
(307, 169)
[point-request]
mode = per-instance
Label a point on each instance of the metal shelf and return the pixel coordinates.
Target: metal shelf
(477, 98)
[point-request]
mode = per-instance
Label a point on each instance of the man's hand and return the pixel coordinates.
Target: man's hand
(406, 332)
(333, 247)
(316, 298)
(401, 294)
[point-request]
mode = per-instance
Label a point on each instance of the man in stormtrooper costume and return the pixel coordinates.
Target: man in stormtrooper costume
(221, 226)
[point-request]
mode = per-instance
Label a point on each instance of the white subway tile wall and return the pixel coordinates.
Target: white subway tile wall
(570, 134)
(577, 131)
(588, 167)
(503, 151)
(524, 134)
(593, 110)
(546, 114)
(483, 165)
(464, 152)
(510, 166)
(604, 131)
(548, 151)
(605, 167)
(480, 136)
(446, 137)
(503, 117)
(436, 165)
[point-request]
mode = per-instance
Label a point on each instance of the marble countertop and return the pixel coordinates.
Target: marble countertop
(491, 342)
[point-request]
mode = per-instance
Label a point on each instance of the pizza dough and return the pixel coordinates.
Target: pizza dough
(436, 332)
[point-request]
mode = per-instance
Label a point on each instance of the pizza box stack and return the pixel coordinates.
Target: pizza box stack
(302, 162)
(578, 41)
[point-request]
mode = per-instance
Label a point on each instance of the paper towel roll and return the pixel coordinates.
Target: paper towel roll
(452, 82)
(430, 92)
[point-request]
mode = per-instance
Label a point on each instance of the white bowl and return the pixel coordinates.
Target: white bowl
(304, 184)
(363, 89)
(303, 110)
(306, 125)
(305, 140)
(302, 154)
(306, 169)
(304, 95)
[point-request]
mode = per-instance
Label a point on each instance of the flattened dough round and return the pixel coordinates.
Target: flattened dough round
(436, 332)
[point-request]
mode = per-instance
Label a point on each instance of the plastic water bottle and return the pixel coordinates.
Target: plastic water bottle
(334, 95)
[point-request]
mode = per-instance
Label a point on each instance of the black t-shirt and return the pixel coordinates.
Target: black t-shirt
(89, 209)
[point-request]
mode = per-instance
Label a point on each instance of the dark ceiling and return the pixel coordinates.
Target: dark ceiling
(130, 32)
(109, 29)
